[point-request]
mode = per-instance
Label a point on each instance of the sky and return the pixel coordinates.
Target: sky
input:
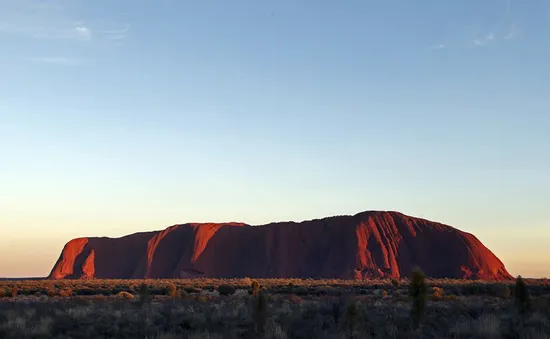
(133, 115)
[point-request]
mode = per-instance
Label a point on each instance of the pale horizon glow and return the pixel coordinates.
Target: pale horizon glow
(129, 116)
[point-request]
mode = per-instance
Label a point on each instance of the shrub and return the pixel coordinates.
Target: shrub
(2, 293)
(125, 295)
(190, 290)
(255, 288)
(172, 291)
(438, 293)
(302, 291)
(521, 294)
(451, 297)
(203, 298)
(474, 289)
(52, 292)
(260, 312)
(98, 297)
(66, 292)
(226, 289)
(181, 293)
(501, 290)
(417, 291)
(14, 291)
(377, 292)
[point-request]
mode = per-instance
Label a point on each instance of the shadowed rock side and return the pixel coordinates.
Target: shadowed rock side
(366, 245)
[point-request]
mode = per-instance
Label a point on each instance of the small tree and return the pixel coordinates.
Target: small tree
(260, 312)
(521, 295)
(255, 288)
(418, 292)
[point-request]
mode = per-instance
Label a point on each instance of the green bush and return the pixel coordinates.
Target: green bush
(226, 289)
(418, 292)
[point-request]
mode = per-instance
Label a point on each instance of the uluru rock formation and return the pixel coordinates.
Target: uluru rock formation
(366, 245)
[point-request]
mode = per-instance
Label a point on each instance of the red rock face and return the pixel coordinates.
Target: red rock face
(366, 245)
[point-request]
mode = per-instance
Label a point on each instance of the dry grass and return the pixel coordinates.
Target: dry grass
(295, 309)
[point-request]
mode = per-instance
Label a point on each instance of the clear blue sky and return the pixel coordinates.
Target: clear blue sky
(132, 115)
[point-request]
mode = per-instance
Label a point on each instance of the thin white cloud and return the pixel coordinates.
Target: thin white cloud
(116, 34)
(483, 41)
(513, 33)
(36, 19)
(46, 30)
(54, 20)
(41, 20)
(510, 23)
(438, 46)
(122, 30)
(506, 28)
(83, 32)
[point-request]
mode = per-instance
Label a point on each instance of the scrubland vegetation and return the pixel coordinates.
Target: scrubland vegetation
(275, 308)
